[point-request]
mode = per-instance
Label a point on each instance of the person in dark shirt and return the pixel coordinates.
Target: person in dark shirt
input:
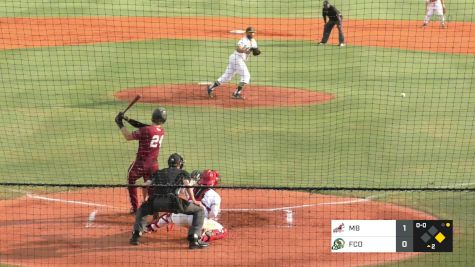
(168, 199)
(334, 18)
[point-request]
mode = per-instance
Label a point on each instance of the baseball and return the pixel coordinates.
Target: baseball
(403, 94)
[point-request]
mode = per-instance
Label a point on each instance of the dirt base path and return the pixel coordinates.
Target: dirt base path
(92, 228)
(196, 95)
(33, 32)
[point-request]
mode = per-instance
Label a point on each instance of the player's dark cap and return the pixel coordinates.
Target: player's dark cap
(176, 160)
(250, 30)
(159, 116)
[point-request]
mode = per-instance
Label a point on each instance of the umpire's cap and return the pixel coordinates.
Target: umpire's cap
(176, 160)
(159, 116)
(250, 30)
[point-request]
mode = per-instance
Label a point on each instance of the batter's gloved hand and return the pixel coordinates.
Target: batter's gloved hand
(255, 51)
(118, 120)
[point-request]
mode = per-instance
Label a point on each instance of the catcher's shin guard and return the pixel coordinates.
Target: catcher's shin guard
(165, 219)
(214, 235)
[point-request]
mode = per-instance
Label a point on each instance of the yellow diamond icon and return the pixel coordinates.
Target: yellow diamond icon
(440, 237)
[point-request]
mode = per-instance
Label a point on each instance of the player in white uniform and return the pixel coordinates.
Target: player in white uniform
(237, 64)
(211, 202)
(437, 6)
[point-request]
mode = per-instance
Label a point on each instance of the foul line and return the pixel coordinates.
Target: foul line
(457, 185)
(29, 195)
(352, 201)
(359, 200)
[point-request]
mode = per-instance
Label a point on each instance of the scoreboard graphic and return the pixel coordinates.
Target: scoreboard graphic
(391, 236)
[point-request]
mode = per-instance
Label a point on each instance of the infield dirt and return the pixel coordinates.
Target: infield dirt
(51, 230)
(409, 35)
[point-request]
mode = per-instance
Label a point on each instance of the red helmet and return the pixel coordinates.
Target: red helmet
(209, 178)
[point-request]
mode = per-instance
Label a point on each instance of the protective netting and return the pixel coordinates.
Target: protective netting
(92, 226)
(386, 104)
(314, 115)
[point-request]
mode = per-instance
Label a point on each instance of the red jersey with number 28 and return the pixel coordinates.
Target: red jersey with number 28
(150, 139)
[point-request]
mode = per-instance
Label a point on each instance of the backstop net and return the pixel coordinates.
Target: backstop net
(348, 140)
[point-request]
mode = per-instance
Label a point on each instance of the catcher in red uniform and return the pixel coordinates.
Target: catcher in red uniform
(150, 139)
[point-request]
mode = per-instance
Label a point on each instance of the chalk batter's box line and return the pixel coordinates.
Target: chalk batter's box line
(288, 210)
(304, 206)
(258, 209)
(352, 201)
(33, 196)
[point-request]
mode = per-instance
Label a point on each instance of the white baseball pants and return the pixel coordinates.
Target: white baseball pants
(236, 65)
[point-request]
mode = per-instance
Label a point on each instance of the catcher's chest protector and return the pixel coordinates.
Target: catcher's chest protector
(200, 193)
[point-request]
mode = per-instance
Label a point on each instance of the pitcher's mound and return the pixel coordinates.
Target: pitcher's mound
(196, 95)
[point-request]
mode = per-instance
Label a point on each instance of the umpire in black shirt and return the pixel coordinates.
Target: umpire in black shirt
(334, 18)
(167, 199)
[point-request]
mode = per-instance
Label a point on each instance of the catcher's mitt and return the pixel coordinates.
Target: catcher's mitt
(195, 176)
(255, 51)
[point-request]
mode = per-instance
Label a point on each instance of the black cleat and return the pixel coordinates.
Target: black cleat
(237, 96)
(198, 244)
(134, 240)
(211, 93)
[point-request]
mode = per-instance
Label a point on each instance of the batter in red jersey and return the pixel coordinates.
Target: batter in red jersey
(150, 139)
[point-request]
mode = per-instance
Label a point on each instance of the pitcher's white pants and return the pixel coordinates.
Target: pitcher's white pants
(236, 65)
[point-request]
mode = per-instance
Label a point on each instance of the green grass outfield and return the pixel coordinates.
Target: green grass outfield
(57, 110)
(458, 10)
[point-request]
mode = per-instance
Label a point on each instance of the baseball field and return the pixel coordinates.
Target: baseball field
(394, 108)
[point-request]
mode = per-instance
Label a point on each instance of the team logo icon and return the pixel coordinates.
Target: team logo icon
(339, 229)
(339, 243)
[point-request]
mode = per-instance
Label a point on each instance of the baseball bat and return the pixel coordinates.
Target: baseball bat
(137, 98)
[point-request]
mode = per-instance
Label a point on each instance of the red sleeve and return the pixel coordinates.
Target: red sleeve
(138, 134)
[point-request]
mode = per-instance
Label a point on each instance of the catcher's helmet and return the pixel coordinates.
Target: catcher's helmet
(209, 178)
(250, 30)
(176, 160)
(159, 115)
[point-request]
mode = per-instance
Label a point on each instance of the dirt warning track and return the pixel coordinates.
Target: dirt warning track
(408, 35)
(92, 227)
